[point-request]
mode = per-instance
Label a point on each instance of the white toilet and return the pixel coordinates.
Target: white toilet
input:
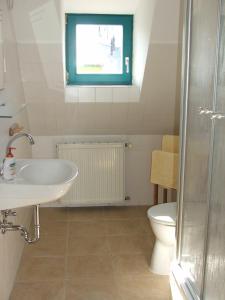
(163, 221)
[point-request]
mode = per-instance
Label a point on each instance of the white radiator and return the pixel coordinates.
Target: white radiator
(101, 177)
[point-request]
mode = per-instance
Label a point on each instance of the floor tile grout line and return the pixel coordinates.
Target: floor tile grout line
(66, 256)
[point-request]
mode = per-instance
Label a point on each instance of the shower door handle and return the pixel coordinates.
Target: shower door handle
(214, 115)
(205, 111)
(217, 116)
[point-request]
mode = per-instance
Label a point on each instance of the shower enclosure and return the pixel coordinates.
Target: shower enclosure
(201, 209)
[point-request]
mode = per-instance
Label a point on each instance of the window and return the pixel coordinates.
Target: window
(99, 49)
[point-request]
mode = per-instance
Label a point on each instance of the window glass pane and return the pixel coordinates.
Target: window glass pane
(99, 49)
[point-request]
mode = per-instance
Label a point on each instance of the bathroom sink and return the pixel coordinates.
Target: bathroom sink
(37, 181)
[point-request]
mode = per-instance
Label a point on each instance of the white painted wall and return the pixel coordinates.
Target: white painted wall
(137, 163)
(143, 21)
(11, 244)
(101, 6)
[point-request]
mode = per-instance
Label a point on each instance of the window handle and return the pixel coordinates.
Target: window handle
(127, 64)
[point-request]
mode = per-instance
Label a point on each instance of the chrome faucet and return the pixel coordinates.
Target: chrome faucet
(17, 136)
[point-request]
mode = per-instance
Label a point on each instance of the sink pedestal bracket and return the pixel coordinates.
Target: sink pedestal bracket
(5, 225)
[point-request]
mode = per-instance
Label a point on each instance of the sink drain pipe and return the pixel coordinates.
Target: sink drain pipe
(9, 226)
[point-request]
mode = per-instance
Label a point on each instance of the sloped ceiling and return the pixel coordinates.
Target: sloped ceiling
(38, 25)
(102, 6)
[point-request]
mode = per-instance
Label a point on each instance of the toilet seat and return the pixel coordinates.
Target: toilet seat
(163, 213)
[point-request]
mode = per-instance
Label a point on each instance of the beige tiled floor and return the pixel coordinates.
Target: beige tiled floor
(91, 254)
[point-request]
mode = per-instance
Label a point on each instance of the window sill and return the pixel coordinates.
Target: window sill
(98, 86)
(104, 94)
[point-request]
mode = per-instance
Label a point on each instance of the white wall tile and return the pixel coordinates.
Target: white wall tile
(86, 116)
(119, 116)
(120, 94)
(34, 91)
(28, 53)
(133, 93)
(37, 113)
(135, 116)
(86, 94)
(32, 72)
(43, 147)
(52, 72)
(71, 94)
(56, 92)
(103, 115)
(50, 117)
(104, 94)
(65, 116)
(50, 53)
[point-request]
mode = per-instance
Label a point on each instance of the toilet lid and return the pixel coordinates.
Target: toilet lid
(163, 213)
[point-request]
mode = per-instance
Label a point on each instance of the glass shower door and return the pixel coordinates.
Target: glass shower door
(203, 21)
(214, 287)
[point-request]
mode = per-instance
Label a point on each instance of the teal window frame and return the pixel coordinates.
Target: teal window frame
(98, 79)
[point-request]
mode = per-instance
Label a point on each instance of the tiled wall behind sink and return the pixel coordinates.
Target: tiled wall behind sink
(137, 160)
(11, 244)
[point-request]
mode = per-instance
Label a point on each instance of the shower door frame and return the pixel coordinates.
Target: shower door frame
(181, 278)
(182, 281)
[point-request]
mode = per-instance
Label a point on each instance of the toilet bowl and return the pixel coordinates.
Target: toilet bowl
(163, 222)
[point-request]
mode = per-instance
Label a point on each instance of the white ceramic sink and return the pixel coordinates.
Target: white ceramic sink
(37, 181)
